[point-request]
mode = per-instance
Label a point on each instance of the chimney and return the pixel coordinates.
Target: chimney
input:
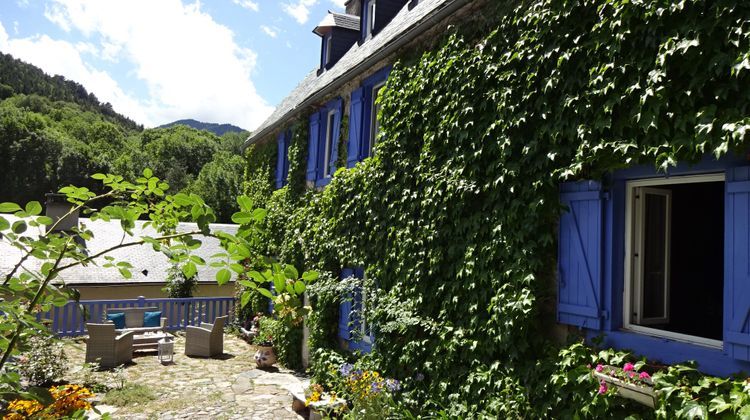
(57, 207)
(353, 7)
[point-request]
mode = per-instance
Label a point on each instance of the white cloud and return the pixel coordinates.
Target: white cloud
(55, 14)
(247, 4)
(87, 48)
(22, 3)
(190, 64)
(15, 27)
(272, 32)
(300, 11)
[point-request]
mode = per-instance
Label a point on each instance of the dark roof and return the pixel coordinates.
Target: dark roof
(148, 266)
(337, 20)
(315, 86)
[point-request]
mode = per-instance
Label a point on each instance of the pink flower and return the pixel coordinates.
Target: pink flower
(588, 366)
(602, 387)
(644, 375)
(631, 374)
(628, 367)
(599, 368)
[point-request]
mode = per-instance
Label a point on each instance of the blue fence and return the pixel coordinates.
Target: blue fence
(70, 320)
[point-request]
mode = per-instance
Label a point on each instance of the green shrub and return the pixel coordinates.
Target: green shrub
(44, 361)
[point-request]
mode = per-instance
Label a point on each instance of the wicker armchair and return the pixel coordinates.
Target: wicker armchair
(106, 347)
(206, 340)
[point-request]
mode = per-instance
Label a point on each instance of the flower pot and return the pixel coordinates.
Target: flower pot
(265, 356)
(639, 393)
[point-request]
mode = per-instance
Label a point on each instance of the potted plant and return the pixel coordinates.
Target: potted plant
(265, 356)
(628, 382)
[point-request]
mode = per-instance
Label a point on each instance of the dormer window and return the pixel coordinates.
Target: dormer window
(370, 14)
(338, 33)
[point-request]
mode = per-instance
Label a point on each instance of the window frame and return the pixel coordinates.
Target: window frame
(328, 147)
(627, 295)
(374, 123)
(369, 21)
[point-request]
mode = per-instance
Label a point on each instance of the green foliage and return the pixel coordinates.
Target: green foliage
(454, 216)
(220, 183)
(178, 285)
(260, 166)
(286, 339)
(43, 362)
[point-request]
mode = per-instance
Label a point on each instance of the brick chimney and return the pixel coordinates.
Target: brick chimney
(57, 207)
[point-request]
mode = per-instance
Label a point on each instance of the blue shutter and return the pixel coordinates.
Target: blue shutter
(356, 112)
(312, 148)
(336, 135)
(580, 255)
(280, 160)
(345, 310)
(737, 264)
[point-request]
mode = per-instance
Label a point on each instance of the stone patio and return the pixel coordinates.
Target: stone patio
(229, 387)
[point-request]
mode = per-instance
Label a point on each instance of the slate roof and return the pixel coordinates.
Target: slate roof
(355, 61)
(148, 266)
(338, 20)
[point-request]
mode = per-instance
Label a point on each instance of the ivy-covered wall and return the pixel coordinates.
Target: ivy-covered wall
(455, 216)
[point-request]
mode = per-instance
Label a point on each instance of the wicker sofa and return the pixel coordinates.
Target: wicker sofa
(134, 319)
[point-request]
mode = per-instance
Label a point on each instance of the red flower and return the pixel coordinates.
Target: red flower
(628, 367)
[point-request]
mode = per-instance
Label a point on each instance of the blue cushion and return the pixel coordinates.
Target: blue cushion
(118, 318)
(152, 319)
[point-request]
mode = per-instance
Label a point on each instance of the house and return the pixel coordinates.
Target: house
(358, 48)
(149, 268)
(655, 262)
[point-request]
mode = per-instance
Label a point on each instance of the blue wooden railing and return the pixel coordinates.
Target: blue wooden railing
(71, 319)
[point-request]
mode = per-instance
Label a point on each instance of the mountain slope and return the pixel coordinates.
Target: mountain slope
(218, 129)
(18, 77)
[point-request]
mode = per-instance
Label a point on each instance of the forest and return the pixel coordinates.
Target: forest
(53, 133)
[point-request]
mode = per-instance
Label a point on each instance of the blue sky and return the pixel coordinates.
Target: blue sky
(156, 61)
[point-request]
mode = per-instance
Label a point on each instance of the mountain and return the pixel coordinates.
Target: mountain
(18, 77)
(218, 129)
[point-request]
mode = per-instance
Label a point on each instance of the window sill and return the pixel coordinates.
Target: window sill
(710, 360)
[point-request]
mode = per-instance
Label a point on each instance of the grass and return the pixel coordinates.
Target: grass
(130, 394)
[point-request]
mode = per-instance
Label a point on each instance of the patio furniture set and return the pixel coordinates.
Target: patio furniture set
(132, 329)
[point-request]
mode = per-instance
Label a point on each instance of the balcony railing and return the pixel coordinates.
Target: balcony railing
(70, 320)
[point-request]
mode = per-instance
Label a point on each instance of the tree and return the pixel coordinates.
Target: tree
(219, 182)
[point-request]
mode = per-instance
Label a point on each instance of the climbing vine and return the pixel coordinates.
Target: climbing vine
(454, 216)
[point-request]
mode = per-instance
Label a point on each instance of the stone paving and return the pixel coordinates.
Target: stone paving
(227, 387)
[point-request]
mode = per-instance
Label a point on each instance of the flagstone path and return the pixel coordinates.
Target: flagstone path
(228, 387)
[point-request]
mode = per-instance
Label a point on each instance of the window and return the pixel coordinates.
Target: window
(328, 49)
(322, 152)
(354, 331)
(330, 139)
(364, 125)
(282, 160)
(370, 18)
(674, 261)
(374, 121)
(658, 264)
